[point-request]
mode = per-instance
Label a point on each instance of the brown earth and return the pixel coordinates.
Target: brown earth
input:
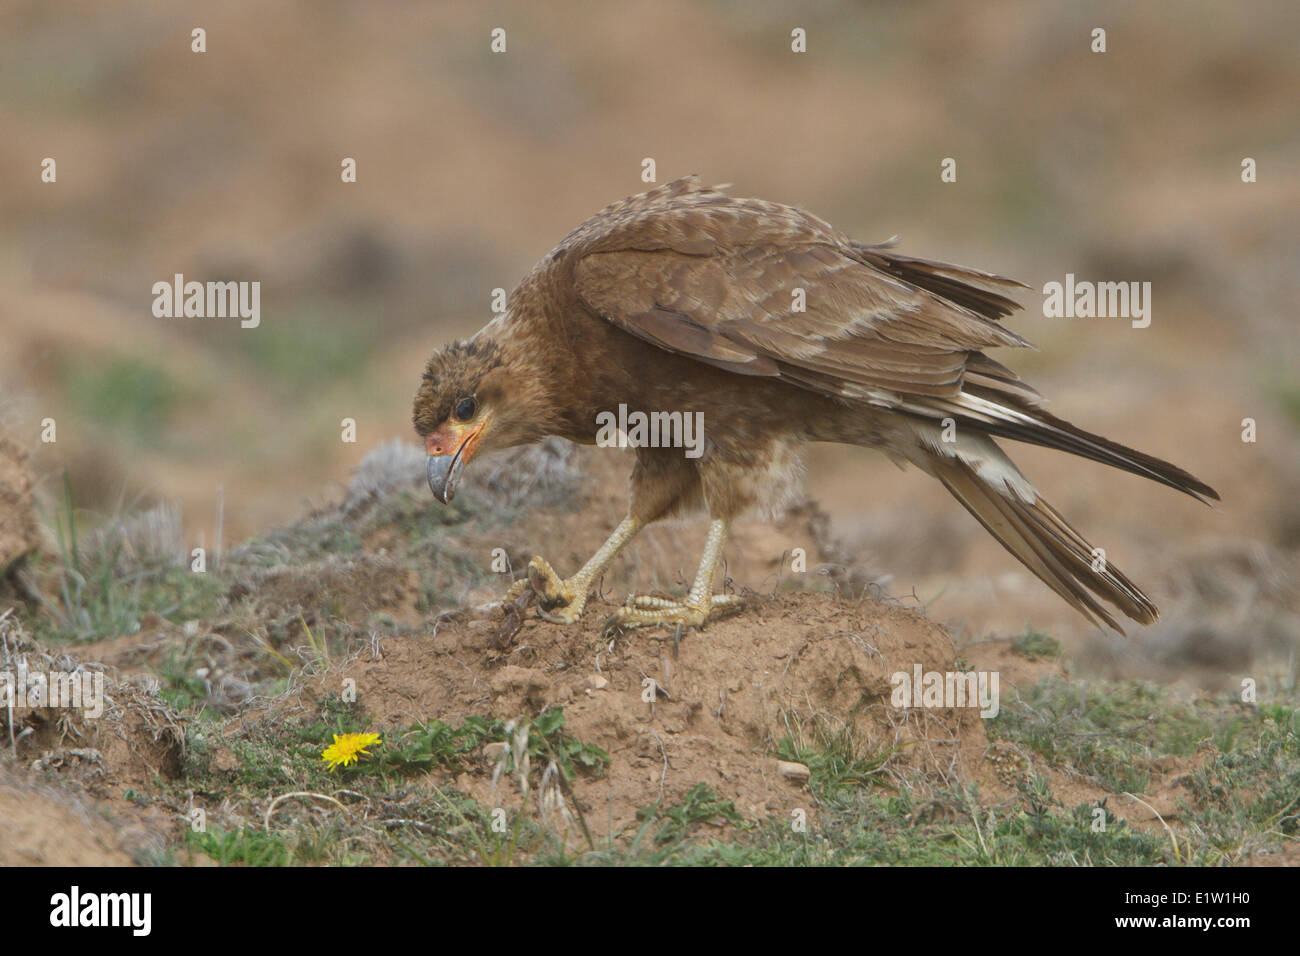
(789, 665)
(66, 775)
(43, 827)
(19, 532)
(721, 699)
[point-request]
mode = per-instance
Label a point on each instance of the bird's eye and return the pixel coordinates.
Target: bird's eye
(466, 409)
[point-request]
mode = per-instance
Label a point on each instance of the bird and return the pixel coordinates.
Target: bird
(774, 330)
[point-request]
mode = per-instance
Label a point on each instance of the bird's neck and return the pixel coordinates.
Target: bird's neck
(535, 369)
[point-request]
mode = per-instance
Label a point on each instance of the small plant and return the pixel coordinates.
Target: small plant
(571, 753)
(348, 748)
(701, 805)
(95, 600)
(833, 759)
(242, 847)
(1036, 645)
(1111, 732)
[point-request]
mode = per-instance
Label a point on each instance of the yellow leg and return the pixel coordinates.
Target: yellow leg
(700, 604)
(571, 595)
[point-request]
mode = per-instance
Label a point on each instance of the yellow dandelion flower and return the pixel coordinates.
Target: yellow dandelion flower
(347, 747)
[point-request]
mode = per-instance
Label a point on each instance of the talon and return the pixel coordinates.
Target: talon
(558, 601)
(669, 616)
(551, 591)
(650, 601)
(630, 617)
(647, 610)
(563, 617)
(571, 594)
(726, 604)
(513, 593)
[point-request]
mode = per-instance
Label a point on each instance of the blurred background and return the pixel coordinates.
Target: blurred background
(225, 165)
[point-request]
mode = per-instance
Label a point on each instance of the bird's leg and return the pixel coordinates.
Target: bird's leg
(700, 604)
(572, 594)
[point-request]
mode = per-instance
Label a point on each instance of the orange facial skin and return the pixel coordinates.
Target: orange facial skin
(449, 447)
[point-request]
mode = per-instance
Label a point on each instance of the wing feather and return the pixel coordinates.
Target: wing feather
(784, 311)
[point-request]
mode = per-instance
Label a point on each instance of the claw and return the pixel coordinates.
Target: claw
(567, 616)
(551, 591)
(648, 611)
(513, 593)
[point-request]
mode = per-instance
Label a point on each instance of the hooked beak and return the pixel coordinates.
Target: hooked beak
(444, 474)
(444, 467)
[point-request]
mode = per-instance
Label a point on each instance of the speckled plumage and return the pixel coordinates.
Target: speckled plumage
(686, 299)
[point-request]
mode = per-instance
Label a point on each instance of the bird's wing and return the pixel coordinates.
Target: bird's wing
(819, 314)
(823, 316)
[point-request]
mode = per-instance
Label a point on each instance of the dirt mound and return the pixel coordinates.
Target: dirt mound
(42, 827)
(68, 751)
(711, 710)
(18, 528)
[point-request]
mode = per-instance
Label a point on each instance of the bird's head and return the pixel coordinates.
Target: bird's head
(470, 400)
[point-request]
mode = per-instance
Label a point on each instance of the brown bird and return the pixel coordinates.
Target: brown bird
(779, 331)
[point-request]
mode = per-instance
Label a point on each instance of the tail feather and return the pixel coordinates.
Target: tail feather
(1006, 415)
(988, 485)
(991, 396)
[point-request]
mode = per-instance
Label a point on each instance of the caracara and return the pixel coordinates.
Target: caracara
(780, 331)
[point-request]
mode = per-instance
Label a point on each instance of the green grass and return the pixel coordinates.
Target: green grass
(835, 762)
(1110, 732)
(1250, 791)
(701, 805)
(128, 396)
(434, 825)
(1036, 645)
(871, 829)
(178, 685)
(435, 745)
(179, 594)
(273, 752)
(94, 598)
(305, 346)
(1288, 396)
(243, 847)
(103, 593)
(308, 845)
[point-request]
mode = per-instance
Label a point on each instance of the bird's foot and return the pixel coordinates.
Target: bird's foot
(508, 601)
(552, 591)
(648, 611)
